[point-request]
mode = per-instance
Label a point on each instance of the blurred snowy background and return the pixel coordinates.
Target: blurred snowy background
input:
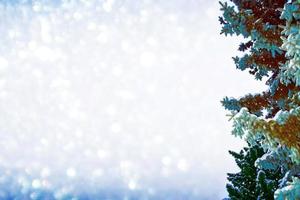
(115, 99)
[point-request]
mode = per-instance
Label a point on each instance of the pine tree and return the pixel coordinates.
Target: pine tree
(271, 29)
(252, 183)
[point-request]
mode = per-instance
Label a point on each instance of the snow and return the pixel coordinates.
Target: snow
(119, 97)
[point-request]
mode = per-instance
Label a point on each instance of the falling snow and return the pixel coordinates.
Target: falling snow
(114, 96)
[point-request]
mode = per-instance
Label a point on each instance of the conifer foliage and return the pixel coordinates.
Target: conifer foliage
(271, 49)
(252, 183)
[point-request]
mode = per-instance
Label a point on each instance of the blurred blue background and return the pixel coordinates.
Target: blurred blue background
(116, 99)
